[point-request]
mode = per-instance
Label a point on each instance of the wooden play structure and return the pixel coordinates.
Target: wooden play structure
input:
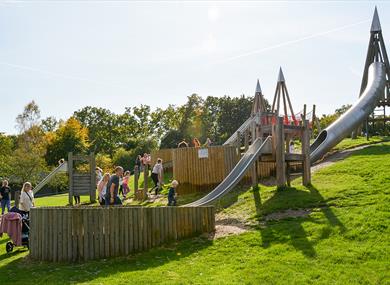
(201, 169)
(78, 234)
(82, 179)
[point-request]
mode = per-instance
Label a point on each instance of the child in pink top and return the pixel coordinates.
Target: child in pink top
(125, 183)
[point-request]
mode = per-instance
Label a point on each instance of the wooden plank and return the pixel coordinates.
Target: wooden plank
(131, 229)
(96, 229)
(157, 226)
(153, 226)
(107, 232)
(112, 231)
(118, 227)
(33, 234)
(135, 229)
(85, 241)
(70, 175)
(125, 217)
(145, 229)
(59, 234)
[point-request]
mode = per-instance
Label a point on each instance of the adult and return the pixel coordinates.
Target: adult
(26, 201)
(5, 196)
(102, 188)
(138, 162)
(157, 175)
(183, 143)
(113, 187)
(99, 175)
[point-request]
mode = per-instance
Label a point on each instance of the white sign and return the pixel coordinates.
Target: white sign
(203, 153)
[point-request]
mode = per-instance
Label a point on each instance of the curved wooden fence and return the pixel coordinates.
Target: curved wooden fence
(72, 234)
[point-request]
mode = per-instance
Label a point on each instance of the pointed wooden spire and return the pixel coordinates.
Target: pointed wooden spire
(258, 102)
(376, 24)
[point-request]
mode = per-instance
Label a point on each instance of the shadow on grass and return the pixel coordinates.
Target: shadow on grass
(86, 271)
(290, 230)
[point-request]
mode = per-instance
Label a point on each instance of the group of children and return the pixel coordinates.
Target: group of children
(110, 187)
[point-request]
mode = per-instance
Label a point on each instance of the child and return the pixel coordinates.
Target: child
(172, 193)
(125, 184)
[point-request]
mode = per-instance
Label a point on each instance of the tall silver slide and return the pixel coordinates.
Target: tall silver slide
(61, 168)
(241, 129)
(355, 116)
(256, 149)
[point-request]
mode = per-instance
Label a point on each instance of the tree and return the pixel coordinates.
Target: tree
(101, 124)
(49, 124)
(29, 118)
(70, 137)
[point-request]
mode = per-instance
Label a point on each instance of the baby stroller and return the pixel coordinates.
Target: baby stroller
(16, 225)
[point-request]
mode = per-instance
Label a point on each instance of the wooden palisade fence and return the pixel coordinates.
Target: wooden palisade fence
(77, 234)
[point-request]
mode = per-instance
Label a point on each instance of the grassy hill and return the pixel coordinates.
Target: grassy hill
(340, 235)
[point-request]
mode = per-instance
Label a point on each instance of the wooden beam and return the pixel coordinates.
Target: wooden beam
(279, 154)
(306, 177)
(70, 173)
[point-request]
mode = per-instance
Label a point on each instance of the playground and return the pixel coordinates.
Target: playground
(281, 201)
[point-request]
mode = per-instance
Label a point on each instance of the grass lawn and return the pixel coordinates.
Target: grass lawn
(344, 240)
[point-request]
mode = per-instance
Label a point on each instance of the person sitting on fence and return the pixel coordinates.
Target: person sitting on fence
(113, 186)
(196, 142)
(172, 193)
(157, 176)
(26, 201)
(125, 184)
(208, 142)
(102, 188)
(183, 143)
(5, 198)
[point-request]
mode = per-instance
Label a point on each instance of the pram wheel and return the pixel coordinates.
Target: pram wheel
(9, 247)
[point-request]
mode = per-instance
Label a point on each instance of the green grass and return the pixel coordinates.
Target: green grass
(345, 239)
(348, 143)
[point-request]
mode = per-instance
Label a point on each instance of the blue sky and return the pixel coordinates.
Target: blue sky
(69, 54)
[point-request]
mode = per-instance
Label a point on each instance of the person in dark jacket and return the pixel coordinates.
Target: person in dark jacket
(5, 195)
(172, 193)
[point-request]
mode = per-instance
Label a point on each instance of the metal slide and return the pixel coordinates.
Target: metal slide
(241, 129)
(61, 168)
(256, 149)
(355, 116)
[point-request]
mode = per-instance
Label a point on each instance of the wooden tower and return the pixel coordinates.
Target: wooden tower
(376, 52)
(281, 91)
(259, 105)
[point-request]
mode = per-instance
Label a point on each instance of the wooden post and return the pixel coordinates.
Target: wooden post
(246, 140)
(306, 177)
(313, 118)
(304, 112)
(288, 177)
(92, 166)
(70, 173)
(280, 155)
(17, 198)
(255, 181)
(136, 177)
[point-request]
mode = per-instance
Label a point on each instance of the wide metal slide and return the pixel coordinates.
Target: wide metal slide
(61, 168)
(255, 150)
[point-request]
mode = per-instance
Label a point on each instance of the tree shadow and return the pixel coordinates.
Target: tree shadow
(290, 229)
